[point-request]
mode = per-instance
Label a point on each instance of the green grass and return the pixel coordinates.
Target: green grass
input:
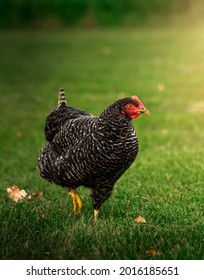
(164, 66)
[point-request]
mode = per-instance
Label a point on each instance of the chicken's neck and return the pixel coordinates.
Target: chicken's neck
(111, 122)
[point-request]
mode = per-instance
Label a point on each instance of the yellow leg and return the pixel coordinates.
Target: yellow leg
(76, 200)
(79, 203)
(95, 214)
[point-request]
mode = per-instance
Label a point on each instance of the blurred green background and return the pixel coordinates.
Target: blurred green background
(27, 13)
(100, 51)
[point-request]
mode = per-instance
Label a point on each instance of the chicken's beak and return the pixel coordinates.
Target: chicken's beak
(139, 110)
(145, 111)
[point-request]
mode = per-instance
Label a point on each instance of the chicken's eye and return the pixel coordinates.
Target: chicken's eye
(130, 106)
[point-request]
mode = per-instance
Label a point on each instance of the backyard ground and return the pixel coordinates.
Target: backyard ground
(164, 66)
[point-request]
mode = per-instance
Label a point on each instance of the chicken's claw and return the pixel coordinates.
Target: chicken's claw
(76, 200)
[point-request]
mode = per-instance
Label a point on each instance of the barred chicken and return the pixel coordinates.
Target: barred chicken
(82, 149)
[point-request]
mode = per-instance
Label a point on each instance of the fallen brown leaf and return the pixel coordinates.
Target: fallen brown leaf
(16, 194)
(140, 219)
(152, 252)
(37, 195)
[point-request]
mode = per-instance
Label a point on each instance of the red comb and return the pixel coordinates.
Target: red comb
(135, 98)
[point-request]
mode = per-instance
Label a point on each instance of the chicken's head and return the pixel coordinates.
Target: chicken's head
(134, 108)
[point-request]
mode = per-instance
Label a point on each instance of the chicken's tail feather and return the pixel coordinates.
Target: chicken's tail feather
(62, 97)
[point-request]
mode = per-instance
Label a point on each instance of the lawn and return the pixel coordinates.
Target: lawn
(164, 66)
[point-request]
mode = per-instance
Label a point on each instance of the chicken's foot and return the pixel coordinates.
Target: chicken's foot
(95, 214)
(76, 200)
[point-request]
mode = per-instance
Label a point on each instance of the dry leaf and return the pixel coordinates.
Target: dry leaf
(152, 252)
(140, 219)
(16, 194)
(37, 195)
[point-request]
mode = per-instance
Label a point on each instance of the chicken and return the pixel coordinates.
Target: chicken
(83, 149)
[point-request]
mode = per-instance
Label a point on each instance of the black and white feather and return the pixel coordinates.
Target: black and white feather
(82, 149)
